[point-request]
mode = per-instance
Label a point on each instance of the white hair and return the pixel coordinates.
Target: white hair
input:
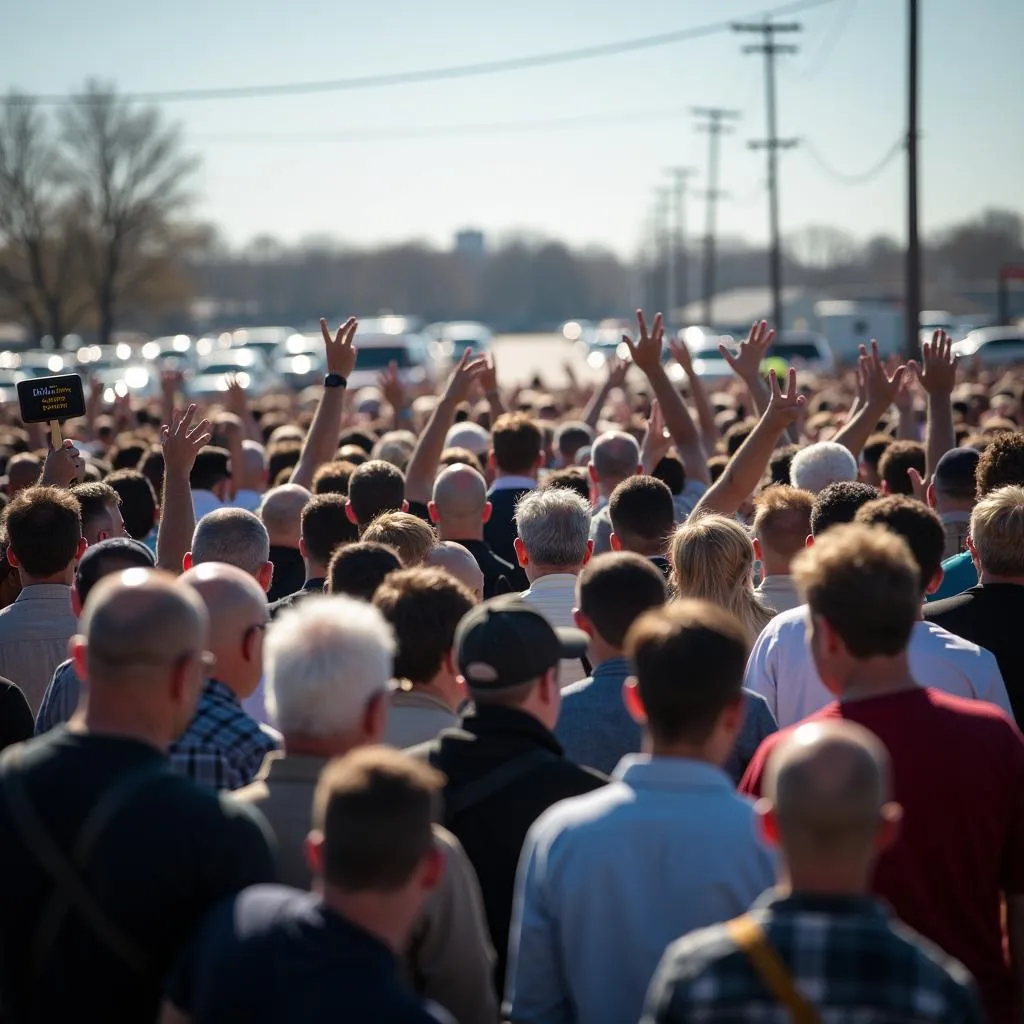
(324, 661)
(468, 435)
(818, 465)
(554, 526)
(233, 536)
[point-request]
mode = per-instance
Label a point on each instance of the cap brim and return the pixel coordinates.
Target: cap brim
(573, 642)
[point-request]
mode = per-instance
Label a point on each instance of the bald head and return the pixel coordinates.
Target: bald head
(254, 465)
(829, 784)
(458, 562)
(615, 456)
(281, 512)
(460, 492)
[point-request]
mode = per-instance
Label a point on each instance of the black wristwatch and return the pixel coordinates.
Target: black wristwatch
(334, 380)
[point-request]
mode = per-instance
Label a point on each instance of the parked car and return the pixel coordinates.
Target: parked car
(172, 351)
(993, 346)
(409, 352)
(248, 367)
(269, 341)
(454, 338)
(806, 350)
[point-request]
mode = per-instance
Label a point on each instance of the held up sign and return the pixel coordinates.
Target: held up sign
(51, 399)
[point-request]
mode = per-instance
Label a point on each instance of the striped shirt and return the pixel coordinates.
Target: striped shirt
(554, 597)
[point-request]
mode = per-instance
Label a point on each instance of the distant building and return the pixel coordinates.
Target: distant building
(470, 242)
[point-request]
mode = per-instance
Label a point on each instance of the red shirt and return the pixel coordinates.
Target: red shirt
(958, 771)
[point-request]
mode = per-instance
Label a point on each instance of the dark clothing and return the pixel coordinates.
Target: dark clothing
(313, 586)
(162, 861)
(492, 831)
(845, 954)
(15, 715)
(500, 530)
(289, 572)
(274, 954)
(662, 563)
(989, 615)
(500, 577)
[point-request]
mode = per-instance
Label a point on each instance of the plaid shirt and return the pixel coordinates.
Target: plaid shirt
(223, 747)
(846, 956)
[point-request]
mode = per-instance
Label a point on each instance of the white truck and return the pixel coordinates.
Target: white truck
(848, 325)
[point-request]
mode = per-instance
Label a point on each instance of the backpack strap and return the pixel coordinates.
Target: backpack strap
(750, 937)
(462, 798)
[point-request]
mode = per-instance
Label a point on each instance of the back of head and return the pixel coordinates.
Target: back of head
(333, 477)
(374, 488)
(280, 512)
(517, 443)
(424, 606)
(324, 661)
(138, 501)
(643, 514)
(256, 468)
(375, 808)
(395, 447)
(212, 467)
(828, 783)
(615, 456)
(232, 536)
(357, 570)
(457, 561)
(460, 494)
(554, 526)
(689, 658)
(325, 527)
(233, 599)
(572, 478)
(837, 504)
(782, 521)
(894, 463)
(781, 462)
(570, 437)
(412, 538)
(737, 434)
(955, 476)
(871, 455)
(1001, 464)
(282, 456)
(671, 472)
(115, 554)
(818, 465)
(997, 532)
(44, 529)
(916, 523)
(615, 589)
(470, 436)
(865, 583)
(96, 500)
(23, 471)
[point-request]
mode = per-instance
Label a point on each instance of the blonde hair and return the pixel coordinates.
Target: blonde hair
(713, 559)
(997, 530)
(410, 537)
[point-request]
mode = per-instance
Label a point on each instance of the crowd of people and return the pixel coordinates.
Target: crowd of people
(612, 703)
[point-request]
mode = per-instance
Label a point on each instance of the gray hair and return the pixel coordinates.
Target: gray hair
(324, 662)
(818, 465)
(615, 455)
(232, 536)
(554, 526)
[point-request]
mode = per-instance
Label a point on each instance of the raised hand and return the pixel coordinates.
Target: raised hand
(937, 369)
(882, 386)
(903, 400)
(170, 381)
(646, 350)
(340, 350)
(464, 376)
(391, 387)
(656, 442)
(919, 484)
(784, 407)
(746, 363)
(181, 441)
(681, 354)
(235, 397)
(488, 378)
(62, 466)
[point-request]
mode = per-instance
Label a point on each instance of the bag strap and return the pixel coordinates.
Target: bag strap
(70, 892)
(472, 793)
(750, 937)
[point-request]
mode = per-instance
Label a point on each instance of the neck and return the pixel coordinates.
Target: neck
(280, 541)
(876, 677)
(239, 687)
(125, 720)
(681, 749)
(500, 474)
(536, 572)
(601, 651)
(839, 879)
(444, 688)
(460, 529)
(64, 578)
(770, 567)
(991, 577)
(944, 505)
(315, 571)
(382, 915)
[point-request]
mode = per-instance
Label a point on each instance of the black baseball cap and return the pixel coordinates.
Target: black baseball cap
(504, 642)
(122, 552)
(954, 472)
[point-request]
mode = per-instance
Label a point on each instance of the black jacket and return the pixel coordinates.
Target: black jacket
(500, 530)
(492, 831)
(313, 586)
(289, 572)
(500, 577)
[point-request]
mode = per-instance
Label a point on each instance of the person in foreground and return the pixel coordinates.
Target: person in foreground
(606, 881)
(162, 851)
(958, 765)
(835, 951)
(273, 953)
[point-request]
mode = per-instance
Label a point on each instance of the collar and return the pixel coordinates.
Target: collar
(44, 592)
(643, 771)
(613, 668)
(955, 516)
(408, 695)
(280, 766)
(280, 552)
(822, 903)
(514, 483)
(602, 502)
(216, 690)
(315, 585)
(777, 581)
(554, 581)
(490, 721)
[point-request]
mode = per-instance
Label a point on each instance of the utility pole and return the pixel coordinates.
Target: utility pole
(666, 249)
(712, 120)
(772, 144)
(912, 272)
(679, 273)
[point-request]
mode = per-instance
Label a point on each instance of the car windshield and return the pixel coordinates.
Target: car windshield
(378, 358)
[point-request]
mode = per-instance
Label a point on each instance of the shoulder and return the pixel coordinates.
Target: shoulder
(950, 606)
(785, 629)
(577, 816)
(933, 966)
(572, 693)
(931, 638)
(692, 957)
(757, 707)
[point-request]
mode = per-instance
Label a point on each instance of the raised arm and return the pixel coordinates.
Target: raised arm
(937, 374)
(322, 440)
(238, 403)
(391, 387)
(615, 378)
(489, 382)
(747, 466)
(419, 476)
(646, 353)
(746, 363)
(881, 389)
(705, 414)
(181, 442)
(656, 443)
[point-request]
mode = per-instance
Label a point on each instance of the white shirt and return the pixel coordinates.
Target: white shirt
(782, 670)
(203, 502)
(249, 500)
(554, 597)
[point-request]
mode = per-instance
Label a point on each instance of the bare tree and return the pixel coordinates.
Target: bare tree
(131, 188)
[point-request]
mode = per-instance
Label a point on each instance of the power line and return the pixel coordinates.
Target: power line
(426, 74)
(830, 41)
(856, 179)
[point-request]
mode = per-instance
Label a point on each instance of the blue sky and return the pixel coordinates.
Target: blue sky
(844, 92)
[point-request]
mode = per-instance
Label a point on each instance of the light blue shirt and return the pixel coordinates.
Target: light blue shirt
(608, 880)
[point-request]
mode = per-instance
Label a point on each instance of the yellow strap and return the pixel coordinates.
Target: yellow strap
(750, 937)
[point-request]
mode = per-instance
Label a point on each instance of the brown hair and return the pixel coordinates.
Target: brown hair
(896, 460)
(423, 606)
(326, 526)
(863, 581)
(615, 589)
(374, 488)
(517, 443)
(689, 658)
(412, 538)
(643, 514)
(375, 807)
(333, 477)
(782, 519)
(916, 523)
(44, 527)
(1001, 463)
(359, 569)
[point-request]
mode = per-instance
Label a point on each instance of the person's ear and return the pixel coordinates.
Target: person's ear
(936, 581)
(591, 472)
(930, 496)
(767, 822)
(521, 556)
(451, 665)
(758, 550)
(432, 512)
(889, 826)
(731, 718)
(488, 509)
(492, 464)
(583, 623)
(405, 505)
(590, 552)
(809, 541)
(631, 698)
(614, 541)
(302, 546)
(12, 557)
(101, 535)
(885, 488)
(432, 868)
(77, 651)
(265, 577)
(83, 546)
(351, 514)
(156, 515)
(541, 460)
(76, 604)
(375, 717)
(186, 562)
(975, 557)
(313, 848)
